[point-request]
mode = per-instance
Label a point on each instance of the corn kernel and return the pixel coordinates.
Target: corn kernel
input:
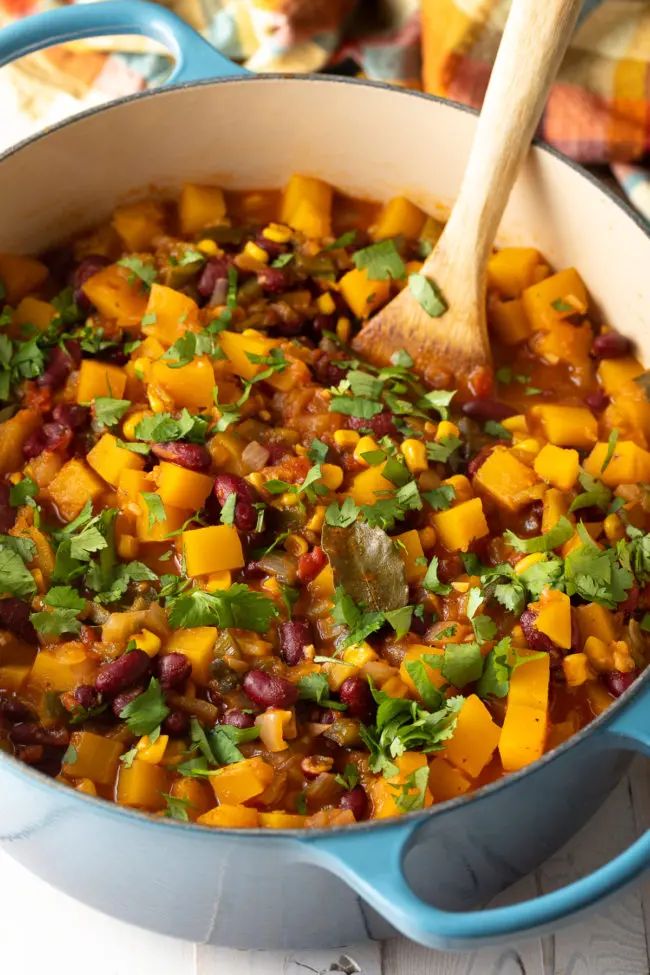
(16, 478)
(364, 446)
(461, 486)
(343, 329)
(528, 561)
(256, 480)
(295, 544)
(131, 422)
(430, 428)
(256, 252)
(271, 585)
(415, 455)
(315, 523)
(331, 476)
(359, 654)
(147, 641)
(326, 304)
(614, 528)
(427, 537)
(277, 232)
(346, 438)
(529, 444)
(515, 424)
(446, 429)
(219, 580)
(159, 401)
(288, 500)
(152, 752)
(577, 669)
(208, 247)
(127, 547)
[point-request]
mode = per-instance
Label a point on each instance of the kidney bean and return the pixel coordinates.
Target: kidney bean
(611, 345)
(120, 701)
(597, 401)
(382, 424)
(272, 247)
(534, 638)
(59, 367)
(34, 445)
(13, 708)
(269, 691)
(311, 563)
(327, 372)
(71, 415)
(31, 754)
(273, 280)
(90, 265)
(277, 451)
(123, 673)
(14, 616)
(7, 513)
(57, 436)
(176, 724)
(617, 683)
(356, 801)
(216, 269)
(192, 456)
(238, 718)
(32, 733)
(245, 513)
(320, 324)
(355, 693)
(576, 638)
(487, 409)
(294, 637)
(173, 669)
(86, 696)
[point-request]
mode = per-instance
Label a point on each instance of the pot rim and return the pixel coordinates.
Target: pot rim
(448, 806)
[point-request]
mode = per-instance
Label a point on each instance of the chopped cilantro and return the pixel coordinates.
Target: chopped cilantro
(463, 663)
(440, 498)
(440, 451)
(401, 358)
(163, 427)
(23, 492)
(557, 535)
(417, 671)
(140, 271)
(65, 603)
(147, 711)
(381, 261)
(495, 429)
(611, 447)
(109, 411)
(431, 582)
(315, 687)
(595, 574)
(282, 260)
(428, 295)
(344, 240)
(411, 794)
(341, 516)
(349, 778)
(176, 807)
(16, 578)
(227, 516)
(595, 494)
(238, 606)
(155, 507)
(438, 400)
(356, 406)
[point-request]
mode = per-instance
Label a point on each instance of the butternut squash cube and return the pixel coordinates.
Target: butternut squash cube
(197, 644)
(20, 275)
(109, 459)
(596, 620)
(13, 434)
(189, 385)
(307, 206)
(554, 617)
(507, 481)
(173, 313)
(564, 343)
(13, 676)
(152, 752)
(229, 816)
(615, 373)
(512, 269)
(212, 549)
(241, 781)
(558, 466)
(577, 669)
(132, 483)
(33, 311)
(182, 488)
(97, 757)
(198, 795)
(566, 426)
(322, 587)
(138, 223)
(159, 531)
(410, 550)
(399, 217)
(550, 301)
(199, 207)
(630, 464)
(237, 346)
(509, 322)
(523, 735)
(142, 786)
(281, 820)
(99, 379)
(116, 293)
(555, 506)
(445, 781)
(416, 652)
(368, 484)
(458, 527)
(385, 791)
(73, 486)
(62, 668)
(474, 740)
(363, 295)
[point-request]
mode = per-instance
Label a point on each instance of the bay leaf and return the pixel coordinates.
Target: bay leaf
(366, 563)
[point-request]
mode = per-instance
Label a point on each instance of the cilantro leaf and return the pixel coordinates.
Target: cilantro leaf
(411, 794)
(349, 778)
(147, 711)
(595, 574)
(317, 452)
(140, 271)
(110, 411)
(463, 663)
(431, 582)
(66, 604)
(381, 261)
(238, 606)
(315, 687)
(440, 498)
(227, 516)
(163, 427)
(495, 679)
(611, 447)
(155, 507)
(417, 671)
(341, 516)
(560, 533)
(595, 494)
(440, 451)
(358, 406)
(428, 295)
(438, 400)
(23, 492)
(176, 807)
(16, 579)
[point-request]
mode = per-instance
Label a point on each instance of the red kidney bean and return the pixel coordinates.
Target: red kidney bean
(576, 638)
(277, 451)
(58, 368)
(120, 701)
(272, 247)
(382, 424)
(7, 513)
(320, 324)
(311, 563)
(176, 724)
(617, 683)
(31, 754)
(216, 269)
(294, 637)
(273, 280)
(34, 445)
(123, 673)
(71, 415)
(487, 409)
(533, 521)
(245, 513)
(327, 372)
(173, 669)
(14, 616)
(13, 708)
(355, 693)
(356, 801)
(57, 436)
(192, 456)
(32, 733)
(534, 638)
(632, 601)
(85, 269)
(86, 696)
(610, 346)
(238, 718)
(269, 691)
(597, 401)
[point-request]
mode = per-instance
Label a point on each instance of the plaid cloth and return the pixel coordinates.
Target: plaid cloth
(598, 111)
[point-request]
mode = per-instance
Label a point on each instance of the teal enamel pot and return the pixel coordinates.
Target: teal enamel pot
(428, 874)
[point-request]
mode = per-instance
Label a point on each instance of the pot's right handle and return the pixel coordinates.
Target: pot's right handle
(371, 861)
(195, 59)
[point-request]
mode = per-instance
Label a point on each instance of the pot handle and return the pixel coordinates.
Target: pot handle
(195, 59)
(371, 862)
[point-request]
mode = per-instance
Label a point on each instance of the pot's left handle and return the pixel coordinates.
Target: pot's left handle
(195, 59)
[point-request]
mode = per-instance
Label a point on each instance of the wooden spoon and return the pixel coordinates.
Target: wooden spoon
(453, 345)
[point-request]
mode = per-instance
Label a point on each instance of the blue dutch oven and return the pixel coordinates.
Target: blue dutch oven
(427, 874)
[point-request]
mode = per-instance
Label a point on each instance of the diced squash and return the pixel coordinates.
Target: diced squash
(197, 644)
(558, 466)
(507, 481)
(596, 620)
(363, 295)
(237, 347)
(142, 786)
(44, 467)
(555, 506)
(564, 343)
(116, 295)
(615, 373)
(13, 434)
(13, 676)
(73, 486)
(182, 488)
(445, 781)
(212, 549)
(241, 781)
(550, 301)
(199, 207)
(152, 751)
(44, 557)
(368, 484)
(198, 796)
(385, 791)
(458, 527)
(108, 459)
(96, 757)
(554, 617)
(410, 550)
(138, 223)
(33, 311)
(99, 379)
(629, 464)
(416, 652)
(62, 668)
(566, 426)
(524, 729)
(322, 587)
(577, 669)
(229, 816)
(20, 275)
(172, 313)
(307, 206)
(132, 483)
(189, 385)
(158, 531)
(512, 269)
(281, 820)
(509, 321)
(474, 739)
(399, 217)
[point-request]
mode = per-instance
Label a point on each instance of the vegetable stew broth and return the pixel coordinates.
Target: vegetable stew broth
(250, 580)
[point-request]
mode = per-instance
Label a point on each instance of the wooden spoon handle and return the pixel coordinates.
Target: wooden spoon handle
(535, 38)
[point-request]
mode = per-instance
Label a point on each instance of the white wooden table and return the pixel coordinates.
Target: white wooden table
(42, 930)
